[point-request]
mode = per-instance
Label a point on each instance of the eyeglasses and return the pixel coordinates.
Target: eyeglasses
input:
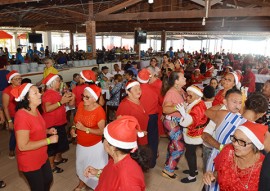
(85, 97)
(17, 79)
(240, 142)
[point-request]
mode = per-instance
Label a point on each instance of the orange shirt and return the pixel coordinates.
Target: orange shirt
(89, 119)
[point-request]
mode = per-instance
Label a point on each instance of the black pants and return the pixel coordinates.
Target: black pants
(191, 158)
(41, 179)
(152, 135)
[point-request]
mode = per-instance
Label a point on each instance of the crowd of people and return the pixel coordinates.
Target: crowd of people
(195, 100)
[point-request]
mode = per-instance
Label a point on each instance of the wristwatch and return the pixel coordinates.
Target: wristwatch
(87, 130)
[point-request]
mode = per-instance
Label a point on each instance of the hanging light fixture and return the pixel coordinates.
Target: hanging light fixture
(203, 21)
(150, 1)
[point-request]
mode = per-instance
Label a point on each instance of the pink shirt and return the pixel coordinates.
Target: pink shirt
(174, 97)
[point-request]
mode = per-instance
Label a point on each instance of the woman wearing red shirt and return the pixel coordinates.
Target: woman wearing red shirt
(90, 122)
(132, 106)
(124, 172)
(54, 114)
(239, 164)
(31, 138)
(9, 105)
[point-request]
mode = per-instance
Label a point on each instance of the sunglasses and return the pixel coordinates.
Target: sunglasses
(240, 142)
(17, 79)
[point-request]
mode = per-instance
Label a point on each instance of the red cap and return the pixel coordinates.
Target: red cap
(94, 90)
(123, 132)
(49, 79)
(11, 75)
(143, 76)
(131, 83)
(255, 132)
(20, 91)
(88, 75)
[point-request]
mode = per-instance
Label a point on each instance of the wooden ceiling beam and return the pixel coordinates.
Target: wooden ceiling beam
(5, 2)
(75, 14)
(245, 12)
(118, 7)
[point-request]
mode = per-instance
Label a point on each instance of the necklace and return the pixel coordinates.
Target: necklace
(245, 185)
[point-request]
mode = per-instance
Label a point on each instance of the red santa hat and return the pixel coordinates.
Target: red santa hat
(132, 83)
(196, 90)
(143, 76)
(237, 77)
(49, 79)
(209, 66)
(88, 75)
(123, 132)
(20, 91)
(197, 69)
(94, 90)
(255, 132)
(11, 75)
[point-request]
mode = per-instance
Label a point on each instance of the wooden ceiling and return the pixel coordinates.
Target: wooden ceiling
(126, 15)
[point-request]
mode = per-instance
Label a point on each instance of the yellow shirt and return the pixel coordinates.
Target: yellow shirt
(49, 70)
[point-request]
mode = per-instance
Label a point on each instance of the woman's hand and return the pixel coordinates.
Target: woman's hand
(10, 126)
(54, 138)
(2, 117)
(52, 131)
(80, 126)
(208, 178)
(73, 133)
(90, 171)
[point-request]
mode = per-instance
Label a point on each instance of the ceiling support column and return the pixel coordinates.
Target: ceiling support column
(163, 41)
(71, 43)
(90, 34)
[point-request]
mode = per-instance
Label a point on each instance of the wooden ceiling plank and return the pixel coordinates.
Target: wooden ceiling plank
(75, 14)
(245, 12)
(6, 2)
(118, 7)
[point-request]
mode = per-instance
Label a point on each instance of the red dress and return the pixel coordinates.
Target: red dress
(197, 79)
(127, 107)
(218, 98)
(250, 78)
(232, 178)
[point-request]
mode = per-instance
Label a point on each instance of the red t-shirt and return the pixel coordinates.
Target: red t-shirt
(218, 98)
(149, 99)
(125, 175)
(56, 117)
(34, 159)
(78, 91)
(12, 103)
(89, 119)
(232, 178)
(250, 76)
(127, 107)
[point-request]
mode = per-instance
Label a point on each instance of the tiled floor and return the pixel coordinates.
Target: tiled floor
(67, 180)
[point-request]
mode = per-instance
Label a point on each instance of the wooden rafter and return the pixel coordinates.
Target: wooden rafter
(5, 2)
(119, 7)
(247, 12)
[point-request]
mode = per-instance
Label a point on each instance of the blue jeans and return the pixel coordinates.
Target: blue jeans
(12, 139)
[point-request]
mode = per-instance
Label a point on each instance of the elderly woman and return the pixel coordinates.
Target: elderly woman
(239, 164)
(255, 107)
(54, 114)
(9, 107)
(89, 124)
(31, 138)
(229, 81)
(128, 161)
(132, 106)
(174, 94)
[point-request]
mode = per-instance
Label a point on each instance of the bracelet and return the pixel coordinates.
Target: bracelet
(99, 172)
(221, 147)
(73, 127)
(9, 121)
(59, 103)
(48, 141)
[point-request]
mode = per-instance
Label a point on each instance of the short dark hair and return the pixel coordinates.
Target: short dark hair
(232, 91)
(26, 80)
(209, 92)
(104, 68)
(130, 72)
(24, 103)
(75, 75)
(257, 102)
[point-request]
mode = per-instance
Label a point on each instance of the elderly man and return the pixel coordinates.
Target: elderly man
(193, 120)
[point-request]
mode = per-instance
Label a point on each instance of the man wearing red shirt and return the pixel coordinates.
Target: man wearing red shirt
(249, 79)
